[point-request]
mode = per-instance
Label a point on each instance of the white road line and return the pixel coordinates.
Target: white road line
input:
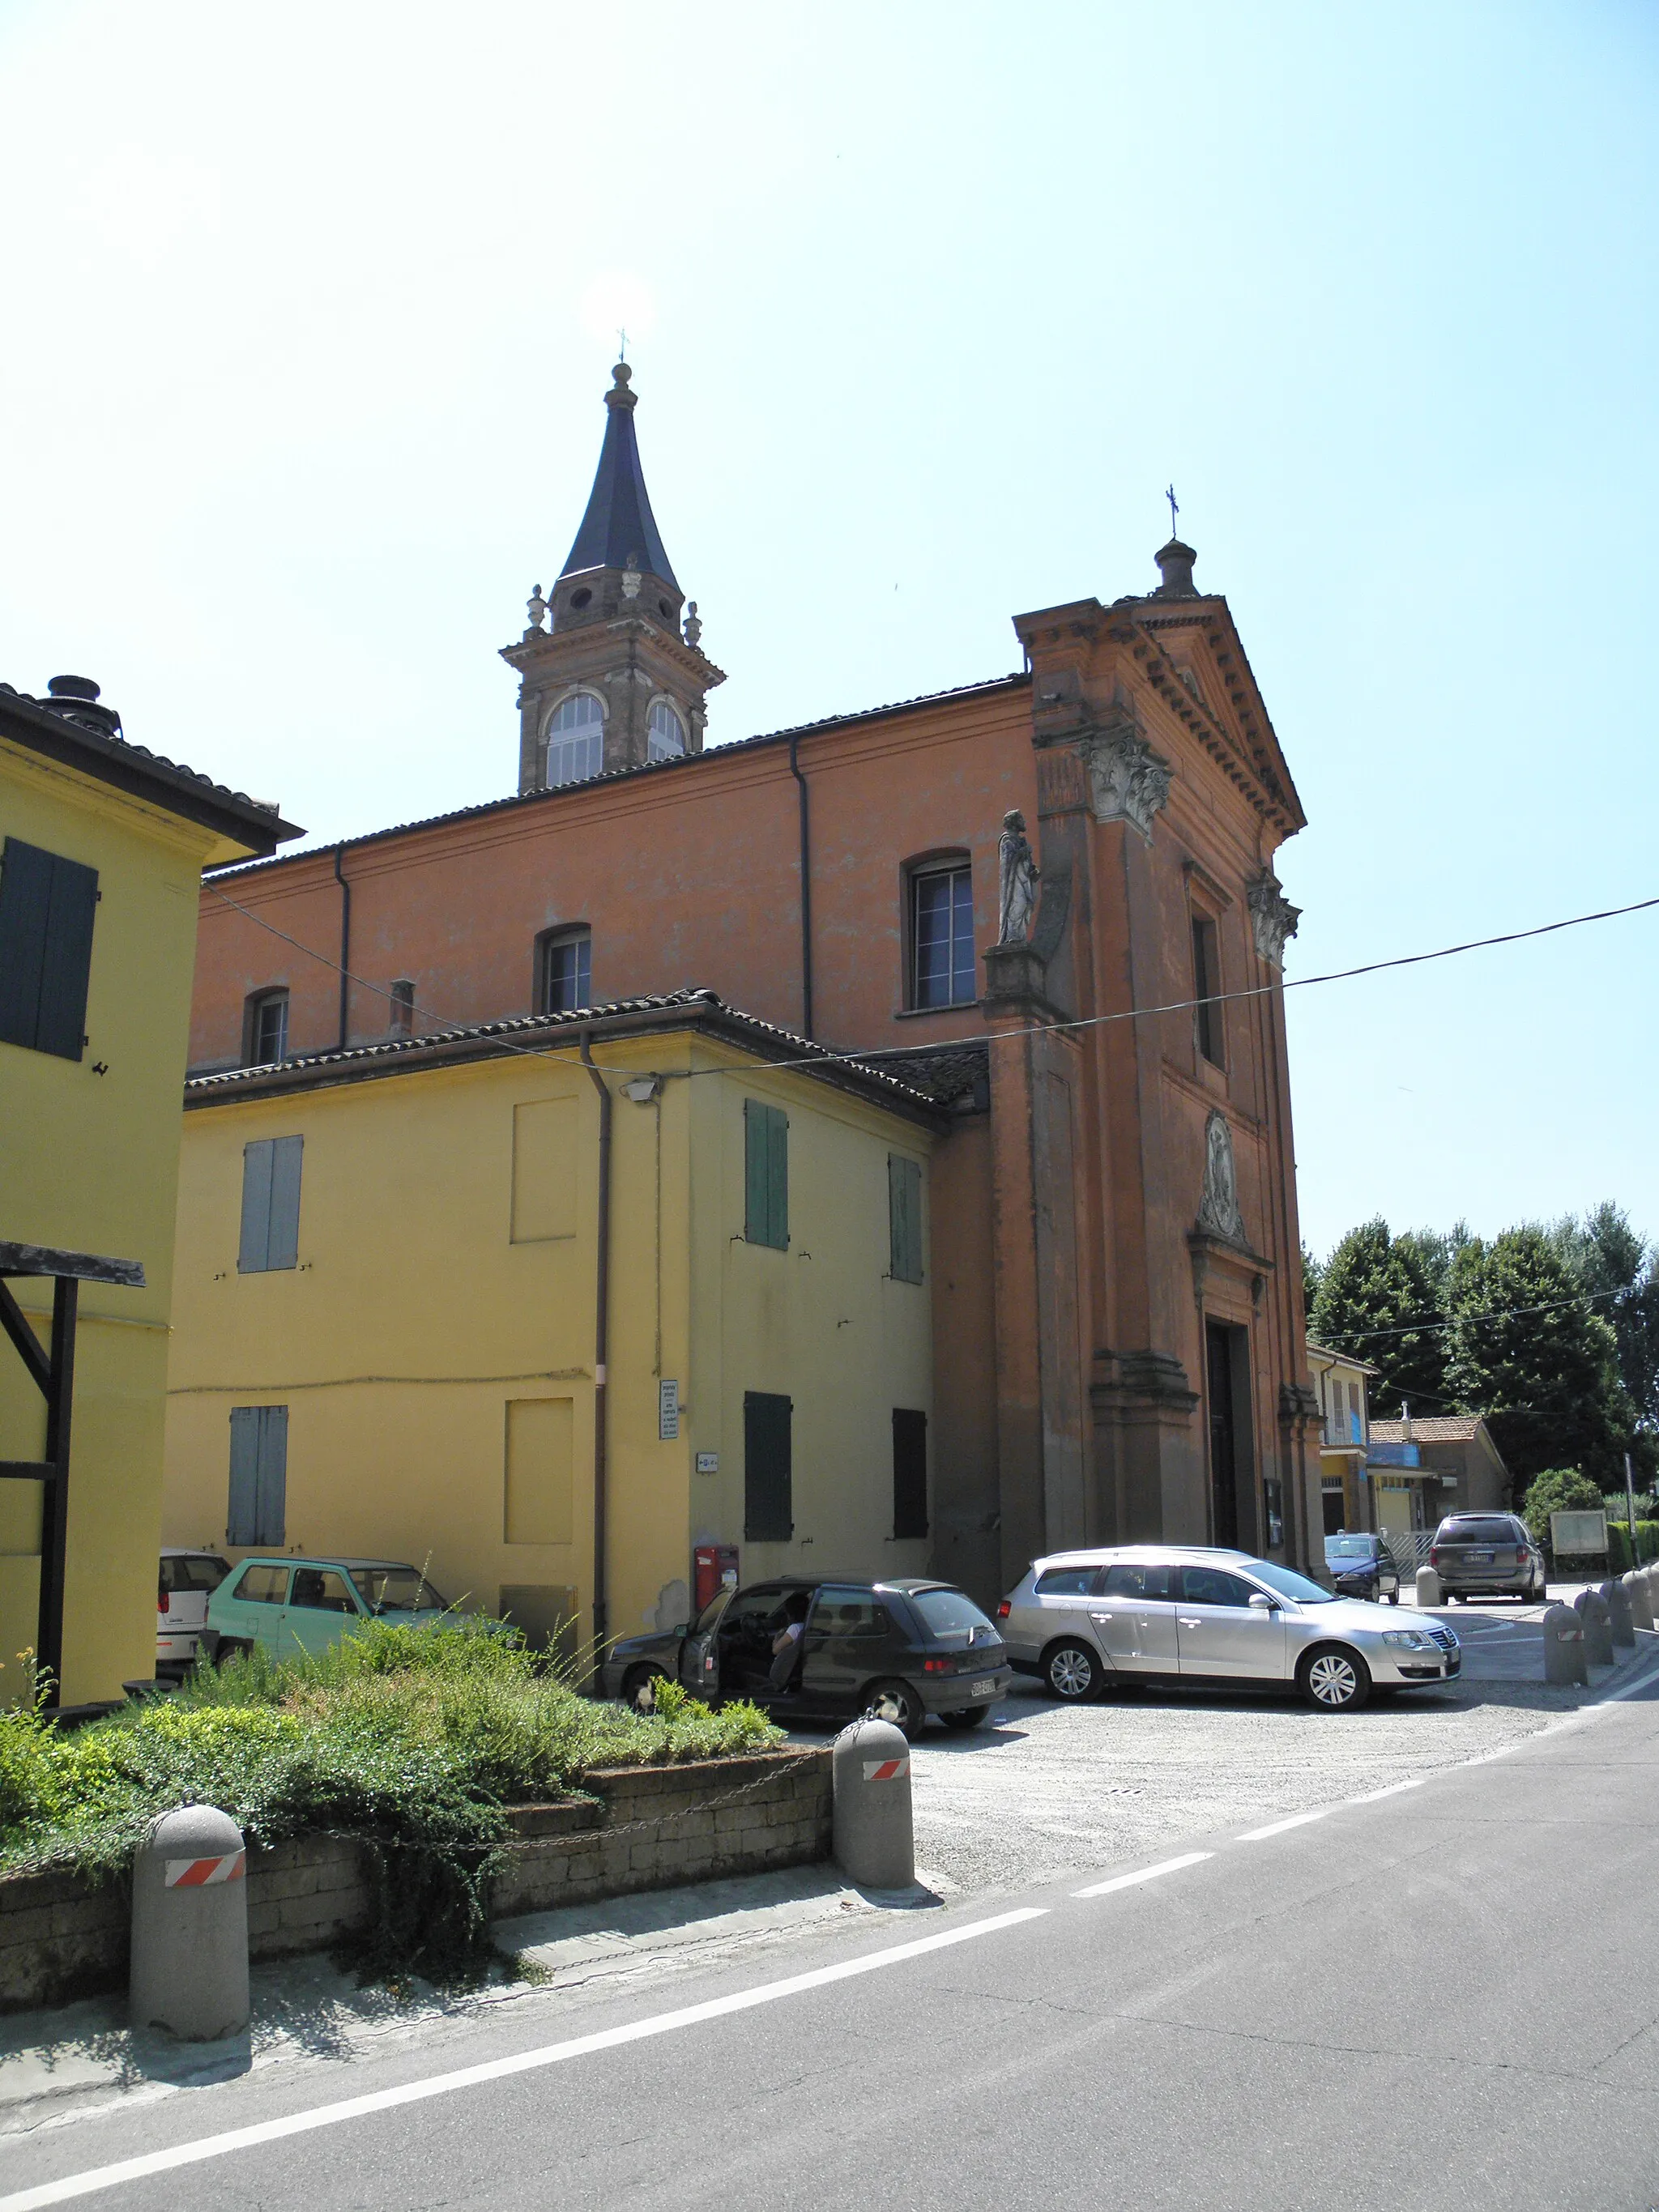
(495, 2070)
(1376, 1796)
(1128, 1881)
(1254, 1836)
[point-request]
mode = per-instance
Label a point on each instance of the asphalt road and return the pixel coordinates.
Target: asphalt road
(1444, 1996)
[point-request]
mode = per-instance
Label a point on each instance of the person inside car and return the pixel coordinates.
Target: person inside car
(791, 1619)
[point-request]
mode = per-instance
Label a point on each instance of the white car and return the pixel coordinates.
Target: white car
(188, 1580)
(1149, 1613)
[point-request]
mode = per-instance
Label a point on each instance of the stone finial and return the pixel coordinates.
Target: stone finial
(619, 395)
(693, 626)
(1174, 565)
(538, 609)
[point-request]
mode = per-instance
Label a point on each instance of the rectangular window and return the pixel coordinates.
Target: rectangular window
(768, 1509)
(766, 1174)
(268, 1034)
(942, 937)
(536, 1507)
(904, 1218)
(910, 1473)
(1206, 983)
(271, 1205)
(567, 973)
(402, 1008)
(258, 1476)
(47, 907)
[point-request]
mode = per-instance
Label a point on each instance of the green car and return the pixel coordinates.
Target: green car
(305, 1605)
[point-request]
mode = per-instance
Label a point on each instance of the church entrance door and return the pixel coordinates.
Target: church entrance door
(1223, 1433)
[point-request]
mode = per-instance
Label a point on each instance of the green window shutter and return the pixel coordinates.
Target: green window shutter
(766, 1174)
(904, 1218)
(769, 1516)
(46, 909)
(910, 1473)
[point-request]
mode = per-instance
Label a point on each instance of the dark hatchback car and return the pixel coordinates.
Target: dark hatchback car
(1362, 1565)
(1488, 1555)
(809, 1650)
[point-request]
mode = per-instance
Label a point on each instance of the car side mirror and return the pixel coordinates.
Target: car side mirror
(1260, 1604)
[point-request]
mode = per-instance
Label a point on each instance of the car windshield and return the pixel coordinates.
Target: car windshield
(949, 1612)
(1287, 1582)
(396, 1590)
(201, 1571)
(1347, 1547)
(1476, 1531)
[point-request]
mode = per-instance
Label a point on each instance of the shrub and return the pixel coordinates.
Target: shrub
(1556, 1490)
(1647, 1543)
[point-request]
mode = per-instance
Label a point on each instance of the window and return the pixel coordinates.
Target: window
(1206, 984)
(271, 1205)
(396, 1590)
(766, 1174)
(1209, 1586)
(951, 1613)
(267, 1029)
(258, 1478)
(263, 1585)
(839, 1613)
(402, 1008)
(769, 1507)
(904, 1218)
(198, 1575)
(567, 976)
(1068, 1582)
(575, 740)
(320, 1589)
(910, 1473)
(665, 739)
(1144, 1581)
(46, 905)
(942, 936)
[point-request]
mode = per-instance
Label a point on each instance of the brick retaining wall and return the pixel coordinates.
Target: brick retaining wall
(657, 1825)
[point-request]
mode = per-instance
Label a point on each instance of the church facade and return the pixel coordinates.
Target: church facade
(1048, 900)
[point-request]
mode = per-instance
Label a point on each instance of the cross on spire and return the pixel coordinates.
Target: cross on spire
(622, 345)
(1175, 509)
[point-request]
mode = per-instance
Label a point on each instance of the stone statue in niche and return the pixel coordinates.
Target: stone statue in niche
(1218, 1210)
(1016, 879)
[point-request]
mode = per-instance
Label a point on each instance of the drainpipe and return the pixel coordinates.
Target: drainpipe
(806, 893)
(345, 943)
(602, 1294)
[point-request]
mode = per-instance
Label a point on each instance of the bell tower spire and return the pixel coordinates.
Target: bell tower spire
(613, 681)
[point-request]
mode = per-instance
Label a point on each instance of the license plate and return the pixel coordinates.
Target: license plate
(986, 1688)
(1481, 1559)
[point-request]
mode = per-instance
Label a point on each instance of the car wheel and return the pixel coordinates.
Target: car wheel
(1394, 1595)
(907, 1712)
(975, 1717)
(229, 1647)
(1072, 1672)
(638, 1688)
(1336, 1680)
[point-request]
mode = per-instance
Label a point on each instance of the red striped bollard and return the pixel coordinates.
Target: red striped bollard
(189, 1971)
(875, 1842)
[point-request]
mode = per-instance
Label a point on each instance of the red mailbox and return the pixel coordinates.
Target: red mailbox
(715, 1568)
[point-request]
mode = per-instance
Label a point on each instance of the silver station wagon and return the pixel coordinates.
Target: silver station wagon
(1143, 1613)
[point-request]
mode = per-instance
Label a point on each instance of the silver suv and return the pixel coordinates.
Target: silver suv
(1148, 1612)
(1487, 1555)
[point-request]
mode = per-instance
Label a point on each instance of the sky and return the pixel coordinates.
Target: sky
(310, 312)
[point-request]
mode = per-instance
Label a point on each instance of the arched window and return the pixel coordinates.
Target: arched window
(564, 970)
(575, 740)
(667, 734)
(264, 1031)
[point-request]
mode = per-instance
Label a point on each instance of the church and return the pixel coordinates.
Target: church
(1047, 903)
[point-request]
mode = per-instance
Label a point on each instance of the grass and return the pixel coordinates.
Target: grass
(410, 1742)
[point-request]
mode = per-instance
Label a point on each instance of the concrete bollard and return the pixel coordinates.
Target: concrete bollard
(1651, 1576)
(1640, 1603)
(874, 1839)
(1564, 1645)
(189, 1926)
(1429, 1592)
(1592, 1608)
(1616, 1598)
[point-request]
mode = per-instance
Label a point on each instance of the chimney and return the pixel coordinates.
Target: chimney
(76, 698)
(1174, 565)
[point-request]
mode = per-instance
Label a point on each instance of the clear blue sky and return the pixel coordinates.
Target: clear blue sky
(309, 311)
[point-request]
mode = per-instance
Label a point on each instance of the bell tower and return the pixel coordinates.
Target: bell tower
(609, 677)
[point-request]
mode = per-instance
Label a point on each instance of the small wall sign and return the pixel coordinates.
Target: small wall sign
(668, 1410)
(709, 1463)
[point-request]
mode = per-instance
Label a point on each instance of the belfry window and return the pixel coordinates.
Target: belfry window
(666, 737)
(942, 935)
(266, 1030)
(575, 740)
(566, 979)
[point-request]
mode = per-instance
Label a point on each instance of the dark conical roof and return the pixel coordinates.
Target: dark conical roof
(619, 527)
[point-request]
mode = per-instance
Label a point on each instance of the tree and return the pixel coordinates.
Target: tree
(1376, 1303)
(1620, 1271)
(1312, 1269)
(1558, 1490)
(1527, 1349)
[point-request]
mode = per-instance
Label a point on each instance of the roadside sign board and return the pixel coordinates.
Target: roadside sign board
(668, 1410)
(1578, 1535)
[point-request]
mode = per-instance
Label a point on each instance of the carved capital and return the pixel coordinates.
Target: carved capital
(1128, 781)
(1272, 915)
(1296, 1402)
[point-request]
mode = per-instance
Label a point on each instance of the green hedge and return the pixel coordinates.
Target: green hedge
(1647, 1543)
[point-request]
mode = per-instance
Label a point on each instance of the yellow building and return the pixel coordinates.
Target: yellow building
(390, 1339)
(1340, 1385)
(104, 847)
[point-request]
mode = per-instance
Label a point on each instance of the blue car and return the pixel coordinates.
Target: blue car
(289, 1605)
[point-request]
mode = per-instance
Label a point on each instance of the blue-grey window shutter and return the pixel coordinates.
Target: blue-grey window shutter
(283, 1248)
(241, 1523)
(253, 1260)
(47, 908)
(273, 1470)
(778, 1179)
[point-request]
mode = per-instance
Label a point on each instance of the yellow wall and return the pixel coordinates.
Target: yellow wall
(435, 1344)
(90, 1162)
